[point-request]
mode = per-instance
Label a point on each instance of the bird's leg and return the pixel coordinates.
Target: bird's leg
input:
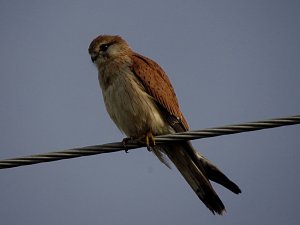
(125, 142)
(147, 139)
(150, 141)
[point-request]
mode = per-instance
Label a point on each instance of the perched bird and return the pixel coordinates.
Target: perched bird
(141, 101)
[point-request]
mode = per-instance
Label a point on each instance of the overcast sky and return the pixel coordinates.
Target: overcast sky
(230, 62)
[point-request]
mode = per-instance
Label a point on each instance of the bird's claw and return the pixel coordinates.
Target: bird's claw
(147, 139)
(125, 142)
(150, 140)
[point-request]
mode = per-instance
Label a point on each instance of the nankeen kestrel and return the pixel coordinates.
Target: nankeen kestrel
(140, 99)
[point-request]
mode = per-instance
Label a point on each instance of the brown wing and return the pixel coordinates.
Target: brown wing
(158, 85)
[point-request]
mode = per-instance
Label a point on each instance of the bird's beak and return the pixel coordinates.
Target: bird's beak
(94, 56)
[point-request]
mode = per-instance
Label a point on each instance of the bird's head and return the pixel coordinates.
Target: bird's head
(107, 47)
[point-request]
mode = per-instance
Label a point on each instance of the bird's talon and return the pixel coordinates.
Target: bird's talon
(150, 141)
(125, 143)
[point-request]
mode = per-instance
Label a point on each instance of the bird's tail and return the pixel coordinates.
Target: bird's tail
(197, 171)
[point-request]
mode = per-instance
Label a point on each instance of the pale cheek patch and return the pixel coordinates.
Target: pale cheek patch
(113, 50)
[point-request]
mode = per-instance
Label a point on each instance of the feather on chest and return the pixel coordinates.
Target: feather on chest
(131, 108)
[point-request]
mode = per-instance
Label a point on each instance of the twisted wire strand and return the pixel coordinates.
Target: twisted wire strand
(133, 144)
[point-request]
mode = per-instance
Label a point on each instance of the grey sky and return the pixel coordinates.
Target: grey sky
(229, 61)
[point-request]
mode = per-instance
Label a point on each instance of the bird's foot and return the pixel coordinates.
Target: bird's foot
(126, 141)
(150, 140)
(147, 139)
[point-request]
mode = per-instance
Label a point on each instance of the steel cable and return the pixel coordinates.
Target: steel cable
(133, 144)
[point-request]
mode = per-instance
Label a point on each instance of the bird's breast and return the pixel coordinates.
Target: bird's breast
(132, 109)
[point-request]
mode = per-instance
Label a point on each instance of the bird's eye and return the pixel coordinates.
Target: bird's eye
(104, 47)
